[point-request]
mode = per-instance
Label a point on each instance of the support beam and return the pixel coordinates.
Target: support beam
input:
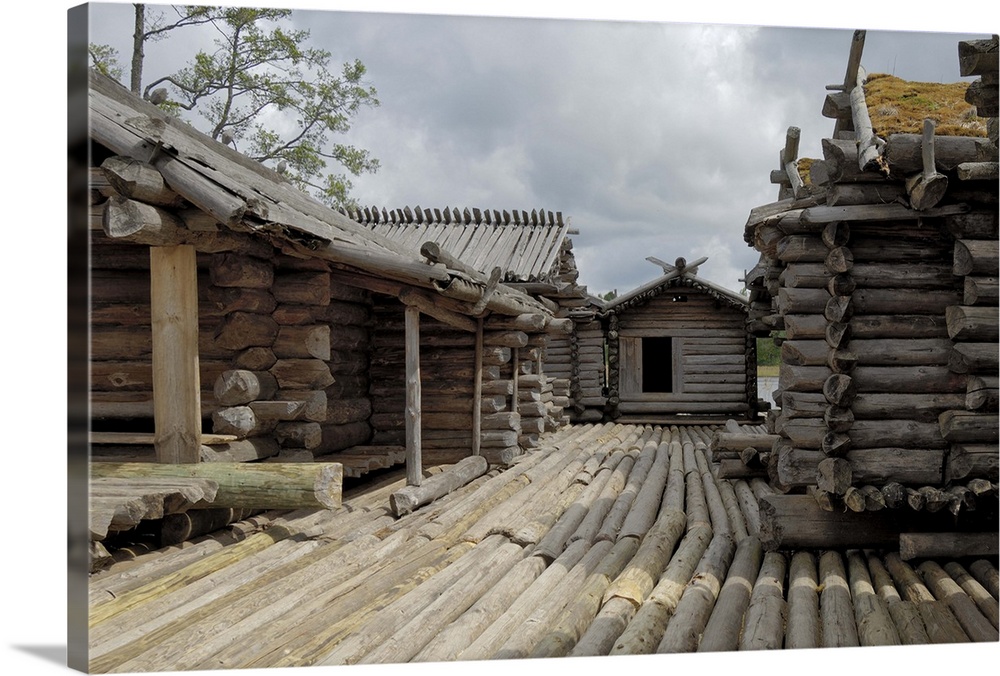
(414, 469)
(176, 379)
(477, 397)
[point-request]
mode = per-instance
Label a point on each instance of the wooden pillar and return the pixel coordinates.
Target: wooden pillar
(516, 361)
(477, 398)
(176, 380)
(414, 469)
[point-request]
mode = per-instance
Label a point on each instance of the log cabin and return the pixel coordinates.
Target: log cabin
(877, 277)
(235, 319)
(679, 351)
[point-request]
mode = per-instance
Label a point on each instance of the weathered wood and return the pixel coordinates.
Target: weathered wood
(839, 628)
(139, 181)
(986, 574)
(764, 623)
(803, 627)
(975, 624)
(722, 632)
(796, 521)
(904, 152)
(410, 498)
(905, 614)
(978, 358)
(976, 257)
(240, 330)
(928, 187)
(973, 323)
(176, 376)
(986, 603)
(132, 221)
(981, 291)
(694, 608)
(874, 623)
(969, 427)
(241, 386)
(302, 374)
(414, 467)
(249, 485)
(238, 270)
(644, 632)
(946, 545)
(972, 461)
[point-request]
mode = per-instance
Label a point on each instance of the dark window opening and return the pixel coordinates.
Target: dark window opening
(658, 364)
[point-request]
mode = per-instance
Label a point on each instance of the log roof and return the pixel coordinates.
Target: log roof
(525, 246)
(246, 196)
(672, 279)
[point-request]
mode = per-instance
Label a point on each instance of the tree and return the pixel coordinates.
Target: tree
(265, 92)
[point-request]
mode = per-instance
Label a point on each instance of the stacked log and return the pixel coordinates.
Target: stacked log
(886, 290)
(972, 324)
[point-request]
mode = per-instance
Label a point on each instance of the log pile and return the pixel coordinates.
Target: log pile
(578, 549)
(881, 280)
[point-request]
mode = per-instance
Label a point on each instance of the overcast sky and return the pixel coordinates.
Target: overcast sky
(653, 138)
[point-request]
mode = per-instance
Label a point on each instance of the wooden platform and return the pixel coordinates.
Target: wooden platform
(607, 539)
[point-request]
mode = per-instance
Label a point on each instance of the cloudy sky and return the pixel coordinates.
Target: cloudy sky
(654, 138)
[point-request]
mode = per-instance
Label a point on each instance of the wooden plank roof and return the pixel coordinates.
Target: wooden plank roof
(525, 246)
(672, 279)
(246, 196)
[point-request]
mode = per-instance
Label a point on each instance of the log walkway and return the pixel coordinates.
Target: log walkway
(606, 539)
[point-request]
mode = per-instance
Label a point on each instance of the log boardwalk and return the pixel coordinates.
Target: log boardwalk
(509, 565)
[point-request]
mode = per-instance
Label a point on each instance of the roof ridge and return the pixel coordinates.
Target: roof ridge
(452, 215)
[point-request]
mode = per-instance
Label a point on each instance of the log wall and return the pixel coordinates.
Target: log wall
(713, 360)
(886, 295)
(283, 349)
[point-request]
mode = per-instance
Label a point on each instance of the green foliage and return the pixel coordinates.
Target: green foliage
(610, 295)
(278, 99)
(104, 59)
(768, 354)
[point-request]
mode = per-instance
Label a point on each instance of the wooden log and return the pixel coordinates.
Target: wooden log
(304, 288)
(803, 628)
(928, 187)
(941, 625)
(977, 358)
(241, 386)
(984, 601)
(244, 485)
(303, 342)
(764, 623)
(302, 374)
(139, 181)
(904, 152)
(240, 330)
(255, 359)
(973, 323)
(722, 632)
(792, 521)
(133, 221)
(176, 376)
(874, 623)
(975, 257)
(969, 427)
(694, 608)
(839, 628)
(950, 545)
(972, 461)
(986, 574)
(905, 614)
(452, 641)
(577, 615)
(981, 291)
(642, 635)
(239, 421)
(178, 528)
(414, 469)
(410, 498)
(238, 270)
(973, 622)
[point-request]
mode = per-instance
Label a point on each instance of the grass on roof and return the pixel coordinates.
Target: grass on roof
(900, 106)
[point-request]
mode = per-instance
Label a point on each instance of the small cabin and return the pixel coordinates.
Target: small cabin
(678, 349)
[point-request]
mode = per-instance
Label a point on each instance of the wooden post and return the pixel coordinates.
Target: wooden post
(477, 396)
(516, 361)
(414, 470)
(176, 380)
